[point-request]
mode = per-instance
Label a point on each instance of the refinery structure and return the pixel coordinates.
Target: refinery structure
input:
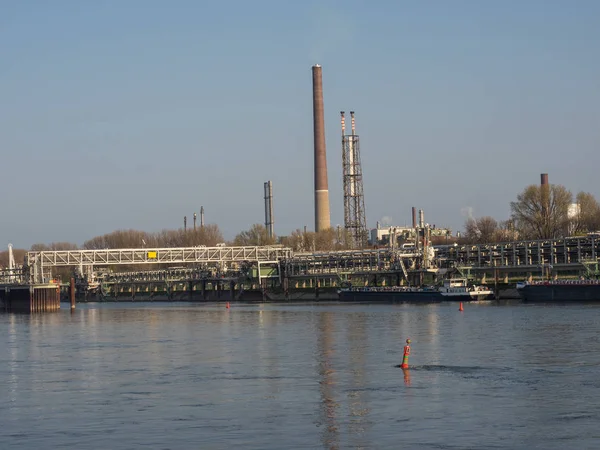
(383, 256)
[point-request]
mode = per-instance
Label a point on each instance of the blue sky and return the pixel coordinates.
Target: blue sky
(132, 114)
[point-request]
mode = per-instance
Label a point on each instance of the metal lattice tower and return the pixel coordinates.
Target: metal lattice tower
(355, 222)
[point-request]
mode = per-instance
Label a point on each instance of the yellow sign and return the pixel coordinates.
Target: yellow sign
(152, 255)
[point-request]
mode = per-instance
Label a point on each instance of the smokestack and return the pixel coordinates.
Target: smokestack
(322, 215)
(414, 217)
(269, 222)
(545, 194)
(184, 223)
(353, 123)
(194, 221)
(421, 218)
(202, 217)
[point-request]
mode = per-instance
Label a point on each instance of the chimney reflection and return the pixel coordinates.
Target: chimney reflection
(358, 397)
(328, 411)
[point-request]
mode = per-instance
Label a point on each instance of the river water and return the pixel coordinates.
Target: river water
(187, 376)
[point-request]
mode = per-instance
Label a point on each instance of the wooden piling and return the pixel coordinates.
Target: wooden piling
(72, 292)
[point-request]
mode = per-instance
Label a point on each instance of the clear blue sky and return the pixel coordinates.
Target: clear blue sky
(131, 114)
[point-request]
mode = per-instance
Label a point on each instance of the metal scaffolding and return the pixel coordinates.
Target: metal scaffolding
(355, 221)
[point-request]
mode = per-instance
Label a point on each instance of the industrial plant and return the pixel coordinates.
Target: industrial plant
(408, 256)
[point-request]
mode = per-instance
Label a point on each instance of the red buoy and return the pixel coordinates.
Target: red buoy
(404, 364)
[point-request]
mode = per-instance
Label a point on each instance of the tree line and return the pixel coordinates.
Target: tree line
(209, 235)
(540, 212)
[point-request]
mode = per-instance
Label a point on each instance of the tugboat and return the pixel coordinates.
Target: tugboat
(452, 290)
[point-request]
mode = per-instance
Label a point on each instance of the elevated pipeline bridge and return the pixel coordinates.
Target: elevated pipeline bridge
(38, 263)
(577, 254)
(572, 253)
(351, 261)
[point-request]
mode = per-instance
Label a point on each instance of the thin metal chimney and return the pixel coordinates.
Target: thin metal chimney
(202, 217)
(184, 223)
(322, 214)
(194, 221)
(414, 217)
(421, 218)
(269, 220)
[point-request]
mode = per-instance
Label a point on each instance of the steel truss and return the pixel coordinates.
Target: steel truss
(560, 253)
(353, 261)
(157, 256)
(38, 262)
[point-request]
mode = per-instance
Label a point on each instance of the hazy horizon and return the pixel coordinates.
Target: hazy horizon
(119, 115)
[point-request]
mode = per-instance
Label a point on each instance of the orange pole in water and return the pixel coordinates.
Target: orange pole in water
(460, 308)
(227, 305)
(404, 364)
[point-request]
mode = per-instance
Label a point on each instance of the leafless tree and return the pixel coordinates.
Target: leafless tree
(256, 235)
(482, 230)
(208, 235)
(541, 212)
(586, 216)
(54, 246)
(293, 241)
(18, 254)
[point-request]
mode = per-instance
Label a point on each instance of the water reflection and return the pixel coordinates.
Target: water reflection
(13, 377)
(357, 339)
(327, 381)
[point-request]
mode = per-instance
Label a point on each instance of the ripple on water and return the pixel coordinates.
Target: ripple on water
(309, 376)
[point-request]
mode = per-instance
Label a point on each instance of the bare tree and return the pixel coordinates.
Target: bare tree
(481, 231)
(18, 254)
(54, 246)
(294, 241)
(325, 240)
(208, 235)
(506, 231)
(541, 212)
(586, 214)
(256, 235)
